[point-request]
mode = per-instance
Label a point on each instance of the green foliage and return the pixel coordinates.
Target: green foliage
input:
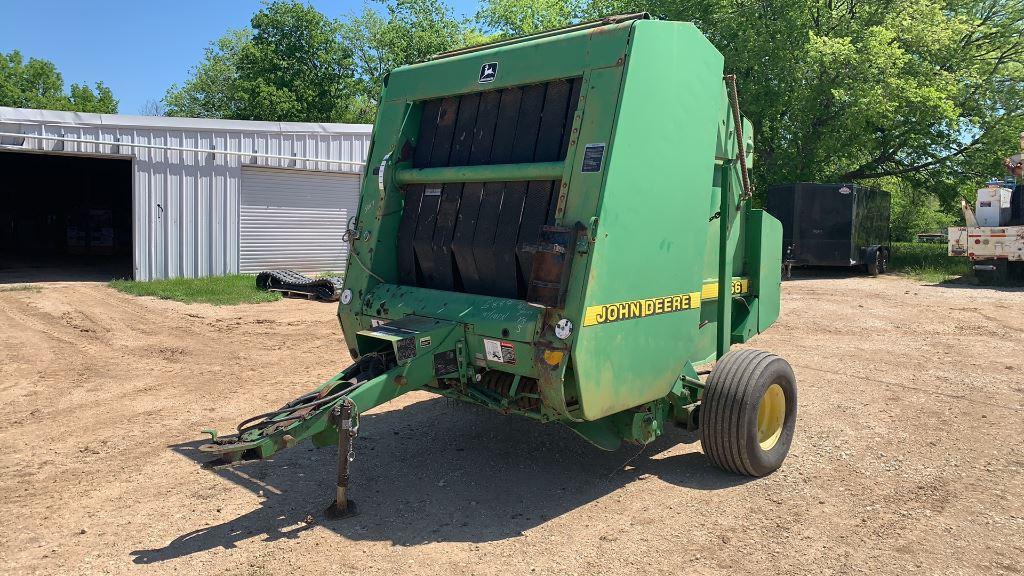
(408, 31)
(295, 68)
(927, 262)
(217, 290)
(915, 210)
(292, 66)
(296, 64)
(212, 90)
(930, 94)
(38, 84)
(510, 18)
(923, 99)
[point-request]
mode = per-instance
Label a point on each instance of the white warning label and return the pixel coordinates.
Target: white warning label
(498, 351)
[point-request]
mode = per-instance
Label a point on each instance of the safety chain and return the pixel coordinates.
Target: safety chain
(351, 424)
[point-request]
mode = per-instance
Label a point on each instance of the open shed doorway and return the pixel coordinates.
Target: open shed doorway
(64, 217)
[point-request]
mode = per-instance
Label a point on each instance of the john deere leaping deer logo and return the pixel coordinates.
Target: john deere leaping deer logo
(488, 72)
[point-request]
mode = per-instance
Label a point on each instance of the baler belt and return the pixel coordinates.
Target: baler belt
(469, 206)
(470, 237)
(325, 289)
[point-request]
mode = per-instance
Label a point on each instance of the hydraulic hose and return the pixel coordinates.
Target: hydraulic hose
(298, 403)
(737, 120)
(242, 428)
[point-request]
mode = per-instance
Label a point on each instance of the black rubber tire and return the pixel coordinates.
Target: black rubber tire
(872, 263)
(883, 260)
(728, 412)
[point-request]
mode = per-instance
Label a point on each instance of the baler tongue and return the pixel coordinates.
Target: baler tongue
(410, 352)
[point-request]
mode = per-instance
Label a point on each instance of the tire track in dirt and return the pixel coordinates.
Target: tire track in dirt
(884, 477)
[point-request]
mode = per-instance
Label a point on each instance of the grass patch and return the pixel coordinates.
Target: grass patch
(216, 290)
(21, 288)
(927, 262)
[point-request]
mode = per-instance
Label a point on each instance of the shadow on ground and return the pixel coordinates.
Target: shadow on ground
(835, 273)
(968, 283)
(82, 269)
(826, 273)
(435, 471)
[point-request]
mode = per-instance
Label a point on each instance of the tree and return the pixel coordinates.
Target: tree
(38, 84)
(295, 68)
(153, 108)
(290, 67)
(211, 91)
(863, 90)
(510, 18)
(408, 31)
(296, 64)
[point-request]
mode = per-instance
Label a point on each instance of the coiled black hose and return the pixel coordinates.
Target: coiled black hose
(365, 366)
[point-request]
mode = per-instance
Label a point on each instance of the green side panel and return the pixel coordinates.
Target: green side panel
(763, 250)
(768, 285)
(379, 215)
(652, 216)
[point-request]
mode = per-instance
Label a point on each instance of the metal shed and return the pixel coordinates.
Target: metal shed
(176, 196)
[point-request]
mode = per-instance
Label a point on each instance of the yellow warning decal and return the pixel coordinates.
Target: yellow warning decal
(606, 313)
(740, 286)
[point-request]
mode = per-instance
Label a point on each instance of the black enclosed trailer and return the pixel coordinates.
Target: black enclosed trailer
(832, 224)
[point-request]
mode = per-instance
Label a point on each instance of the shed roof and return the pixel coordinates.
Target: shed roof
(56, 117)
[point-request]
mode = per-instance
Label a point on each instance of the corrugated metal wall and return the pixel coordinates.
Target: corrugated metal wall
(186, 204)
(295, 219)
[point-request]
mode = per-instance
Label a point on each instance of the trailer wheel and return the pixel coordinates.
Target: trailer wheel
(874, 261)
(748, 412)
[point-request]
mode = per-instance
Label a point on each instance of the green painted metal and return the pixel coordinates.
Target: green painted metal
(491, 173)
(723, 339)
(286, 430)
(669, 267)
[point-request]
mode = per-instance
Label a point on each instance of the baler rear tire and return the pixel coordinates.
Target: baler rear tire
(739, 383)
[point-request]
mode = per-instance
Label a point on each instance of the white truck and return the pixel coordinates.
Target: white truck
(993, 237)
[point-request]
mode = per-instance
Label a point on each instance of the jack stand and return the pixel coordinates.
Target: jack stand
(341, 417)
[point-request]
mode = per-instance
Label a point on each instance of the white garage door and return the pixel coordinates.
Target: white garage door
(293, 219)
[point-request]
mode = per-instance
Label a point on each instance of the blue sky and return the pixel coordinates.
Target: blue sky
(136, 47)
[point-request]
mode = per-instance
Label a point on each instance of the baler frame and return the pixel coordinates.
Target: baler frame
(538, 349)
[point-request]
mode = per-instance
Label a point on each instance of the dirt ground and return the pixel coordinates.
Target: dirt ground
(908, 456)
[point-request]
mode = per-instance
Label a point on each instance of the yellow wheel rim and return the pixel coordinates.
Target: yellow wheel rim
(771, 414)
